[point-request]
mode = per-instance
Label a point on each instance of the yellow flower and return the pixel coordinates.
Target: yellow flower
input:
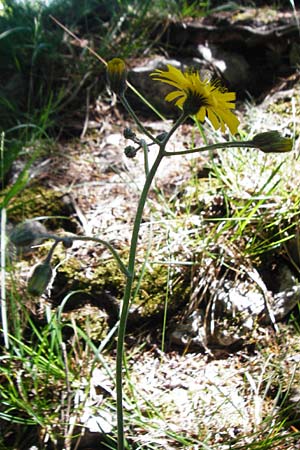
(116, 75)
(202, 98)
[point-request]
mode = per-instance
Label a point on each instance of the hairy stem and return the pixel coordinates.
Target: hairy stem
(127, 296)
(109, 247)
(245, 144)
(135, 118)
(131, 262)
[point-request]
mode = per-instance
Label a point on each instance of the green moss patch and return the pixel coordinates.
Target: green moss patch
(39, 201)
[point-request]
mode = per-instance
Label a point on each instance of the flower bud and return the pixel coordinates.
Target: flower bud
(130, 151)
(67, 242)
(161, 136)
(39, 279)
(272, 142)
(129, 134)
(116, 75)
(27, 233)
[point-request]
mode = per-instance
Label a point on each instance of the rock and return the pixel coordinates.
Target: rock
(153, 91)
(285, 301)
(234, 310)
(232, 66)
(294, 54)
(257, 50)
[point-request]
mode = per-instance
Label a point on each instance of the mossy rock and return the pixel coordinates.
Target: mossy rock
(91, 320)
(104, 281)
(160, 288)
(262, 15)
(39, 201)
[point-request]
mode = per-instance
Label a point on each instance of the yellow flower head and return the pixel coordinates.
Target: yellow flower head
(116, 75)
(202, 98)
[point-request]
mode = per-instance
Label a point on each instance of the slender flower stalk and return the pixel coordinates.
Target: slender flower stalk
(127, 297)
(144, 130)
(268, 142)
(115, 254)
(131, 269)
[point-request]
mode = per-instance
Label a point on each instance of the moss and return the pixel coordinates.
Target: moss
(262, 15)
(158, 286)
(37, 201)
(91, 320)
(76, 274)
(106, 277)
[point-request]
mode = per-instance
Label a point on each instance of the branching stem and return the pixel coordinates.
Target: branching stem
(130, 269)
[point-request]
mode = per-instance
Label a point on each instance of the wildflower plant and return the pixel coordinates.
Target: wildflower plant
(202, 99)
(196, 97)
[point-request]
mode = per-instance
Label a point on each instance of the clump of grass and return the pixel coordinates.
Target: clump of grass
(48, 363)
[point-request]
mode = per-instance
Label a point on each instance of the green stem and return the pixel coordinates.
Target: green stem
(200, 128)
(245, 144)
(178, 122)
(130, 269)
(50, 254)
(146, 159)
(74, 237)
(127, 296)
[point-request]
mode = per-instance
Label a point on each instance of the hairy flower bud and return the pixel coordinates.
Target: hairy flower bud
(67, 242)
(272, 142)
(40, 279)
(160, 137)
(130, 151)
(27, 233)
(116, 75)
(129, 134)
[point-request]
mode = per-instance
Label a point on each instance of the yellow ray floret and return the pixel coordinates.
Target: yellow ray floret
(201, 98)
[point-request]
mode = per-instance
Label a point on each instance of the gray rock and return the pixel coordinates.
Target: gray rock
(233, 67)
(235, 309)
(155, 91)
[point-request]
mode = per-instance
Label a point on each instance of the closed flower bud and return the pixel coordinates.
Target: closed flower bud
(40, 279)
(130, 151)
(116, 75)
(129, 134)
(67, 242)
(162, 136)
(27, 233)
(272, 142)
